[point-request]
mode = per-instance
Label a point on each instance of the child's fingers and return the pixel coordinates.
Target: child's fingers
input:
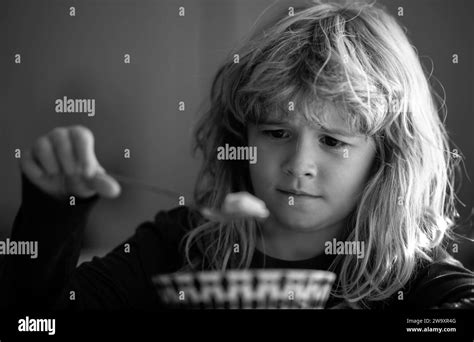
(43, 152)
(238, 205)
(30, 167)
(83, 143)
(63, 149)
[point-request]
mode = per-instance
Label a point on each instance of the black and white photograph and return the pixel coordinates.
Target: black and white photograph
(237, 160)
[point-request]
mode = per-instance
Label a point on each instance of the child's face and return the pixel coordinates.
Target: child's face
(295, 156)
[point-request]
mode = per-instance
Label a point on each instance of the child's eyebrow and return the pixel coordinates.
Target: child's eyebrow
(336, 131)
(276, 121)
(273, 121)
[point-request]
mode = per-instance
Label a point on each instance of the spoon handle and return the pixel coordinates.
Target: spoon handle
(145, 186)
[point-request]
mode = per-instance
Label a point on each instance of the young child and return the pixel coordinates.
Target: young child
(350, 148)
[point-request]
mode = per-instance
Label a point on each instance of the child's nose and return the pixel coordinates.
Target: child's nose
(302, 157)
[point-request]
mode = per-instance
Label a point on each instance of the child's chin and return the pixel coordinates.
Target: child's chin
(298, 221)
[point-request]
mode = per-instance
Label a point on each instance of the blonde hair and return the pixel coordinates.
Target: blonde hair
(356, 55)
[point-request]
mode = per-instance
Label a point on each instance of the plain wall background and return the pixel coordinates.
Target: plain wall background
(172, 59)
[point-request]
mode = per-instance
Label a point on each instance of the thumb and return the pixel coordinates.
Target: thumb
(105, 185)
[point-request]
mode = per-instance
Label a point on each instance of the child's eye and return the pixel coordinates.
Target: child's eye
(276, 133)
(331, 142)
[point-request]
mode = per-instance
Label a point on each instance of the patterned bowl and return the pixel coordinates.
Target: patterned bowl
(245, 289)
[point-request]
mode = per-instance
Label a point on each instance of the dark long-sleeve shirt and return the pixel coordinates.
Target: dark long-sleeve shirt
(122, 278)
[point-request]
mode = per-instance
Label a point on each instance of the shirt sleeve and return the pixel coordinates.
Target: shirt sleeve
(444, 286)
(57, 228)
(121, 279)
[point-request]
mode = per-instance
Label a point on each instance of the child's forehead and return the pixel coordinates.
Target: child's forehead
(324, 114)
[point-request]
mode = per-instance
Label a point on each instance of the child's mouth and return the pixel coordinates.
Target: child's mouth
(296, 193)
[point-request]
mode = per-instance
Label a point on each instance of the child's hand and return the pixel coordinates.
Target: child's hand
(63, 163)
(238, 205)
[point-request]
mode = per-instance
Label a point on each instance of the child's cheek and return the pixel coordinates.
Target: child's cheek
(257, 176)
(349, 181)
(260, 170)
(264, 173)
